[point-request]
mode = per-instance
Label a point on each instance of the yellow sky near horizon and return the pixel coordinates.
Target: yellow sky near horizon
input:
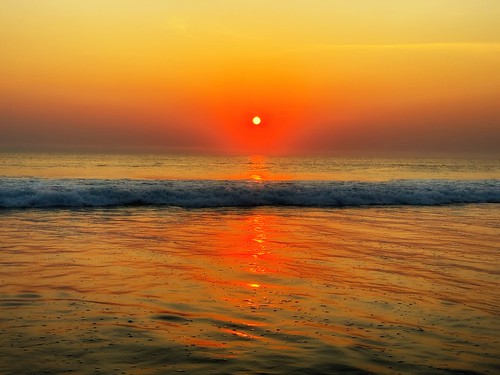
(325, 76)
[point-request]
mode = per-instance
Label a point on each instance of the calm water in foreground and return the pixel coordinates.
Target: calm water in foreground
(154, 289)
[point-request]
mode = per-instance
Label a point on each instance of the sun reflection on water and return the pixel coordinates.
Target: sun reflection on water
(258, 248)
(258, 169)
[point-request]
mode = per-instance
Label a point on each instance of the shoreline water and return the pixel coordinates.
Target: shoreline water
(272, 290)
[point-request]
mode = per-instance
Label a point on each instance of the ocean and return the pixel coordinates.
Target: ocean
(155, 264)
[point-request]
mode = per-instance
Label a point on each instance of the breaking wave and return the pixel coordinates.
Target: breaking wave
(47, 193)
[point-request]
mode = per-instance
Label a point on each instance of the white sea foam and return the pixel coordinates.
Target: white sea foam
(47, 193)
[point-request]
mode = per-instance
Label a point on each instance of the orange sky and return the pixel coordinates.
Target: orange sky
(326, 76)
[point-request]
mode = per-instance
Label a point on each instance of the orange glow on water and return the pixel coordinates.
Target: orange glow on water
(244, 335)
(250, 238)
(259, 169)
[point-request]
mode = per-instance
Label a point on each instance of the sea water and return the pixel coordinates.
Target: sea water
(152, 264)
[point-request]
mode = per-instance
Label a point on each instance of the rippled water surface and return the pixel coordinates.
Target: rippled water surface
(153, 290)
(168, 167)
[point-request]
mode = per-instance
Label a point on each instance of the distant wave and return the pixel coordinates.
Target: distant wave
(47, 193)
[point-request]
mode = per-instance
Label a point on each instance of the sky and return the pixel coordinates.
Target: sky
(325, 76)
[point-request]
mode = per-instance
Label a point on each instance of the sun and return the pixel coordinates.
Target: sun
(256, 120)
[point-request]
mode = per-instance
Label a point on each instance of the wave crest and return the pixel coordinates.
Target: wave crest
(48, 193)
